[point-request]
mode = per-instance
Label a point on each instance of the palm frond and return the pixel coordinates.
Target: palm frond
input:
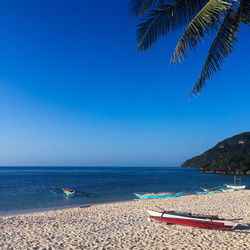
(137, 8)
(220, 48)
(165, 18)
(203, 23)
(158, 23)
(245, 11)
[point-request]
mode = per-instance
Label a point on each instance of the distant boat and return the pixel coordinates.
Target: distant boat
(236, 186)
(210, 189)
(193, 220)
(216, 190)
(228, 190)
(68, 192)
(157, 195)
(209, 192)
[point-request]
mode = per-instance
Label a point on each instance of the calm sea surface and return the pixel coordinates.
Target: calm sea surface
(26, 189)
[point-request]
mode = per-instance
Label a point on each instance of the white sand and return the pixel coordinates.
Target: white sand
(124, 226)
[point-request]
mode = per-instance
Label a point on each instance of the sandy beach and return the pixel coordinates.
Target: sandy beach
(124, 226)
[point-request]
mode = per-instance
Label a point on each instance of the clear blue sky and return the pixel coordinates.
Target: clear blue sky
(74, 91)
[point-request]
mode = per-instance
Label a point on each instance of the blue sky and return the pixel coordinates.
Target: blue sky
(74, 90)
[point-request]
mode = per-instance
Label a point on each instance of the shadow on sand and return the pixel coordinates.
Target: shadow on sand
(244, 226)
(242, 229)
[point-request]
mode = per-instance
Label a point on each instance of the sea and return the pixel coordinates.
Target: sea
(30, 189)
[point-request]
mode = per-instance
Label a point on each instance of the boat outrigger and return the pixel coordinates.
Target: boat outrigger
(157, 195)
(188, 219)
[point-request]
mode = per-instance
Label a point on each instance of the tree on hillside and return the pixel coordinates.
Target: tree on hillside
(201, 18)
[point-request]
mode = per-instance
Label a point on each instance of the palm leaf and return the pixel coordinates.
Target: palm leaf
(245, 11)
(165, 18)
(220, 48)
(139, 7)
(158, 23)
(203, 23)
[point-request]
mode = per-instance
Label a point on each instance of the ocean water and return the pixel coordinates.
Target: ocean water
(26, 189)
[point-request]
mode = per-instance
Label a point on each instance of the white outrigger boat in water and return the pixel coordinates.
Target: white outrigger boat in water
(235, 186)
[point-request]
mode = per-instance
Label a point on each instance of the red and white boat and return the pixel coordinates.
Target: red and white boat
(193, 220)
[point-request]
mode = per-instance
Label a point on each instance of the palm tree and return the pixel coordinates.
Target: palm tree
(201, 18)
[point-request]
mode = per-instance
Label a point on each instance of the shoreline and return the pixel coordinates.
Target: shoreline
(28, 211)
(24, 212)
(123, 225)
(221, 172)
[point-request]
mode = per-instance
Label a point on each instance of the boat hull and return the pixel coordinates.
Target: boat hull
(228, 190)
(235, 186)
(210, 189)
(211, 222)
(210, 192)
(141, 196)
(69, 195)
(193, 223)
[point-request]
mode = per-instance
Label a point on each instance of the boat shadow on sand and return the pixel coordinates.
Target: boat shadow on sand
(242, 227)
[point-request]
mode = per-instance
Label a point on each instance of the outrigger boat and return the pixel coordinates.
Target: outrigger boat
(210, 191)
(157, 195)
(228, 189)
(68, 192)
(235, 186)
(188, 219)
(216, 190)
